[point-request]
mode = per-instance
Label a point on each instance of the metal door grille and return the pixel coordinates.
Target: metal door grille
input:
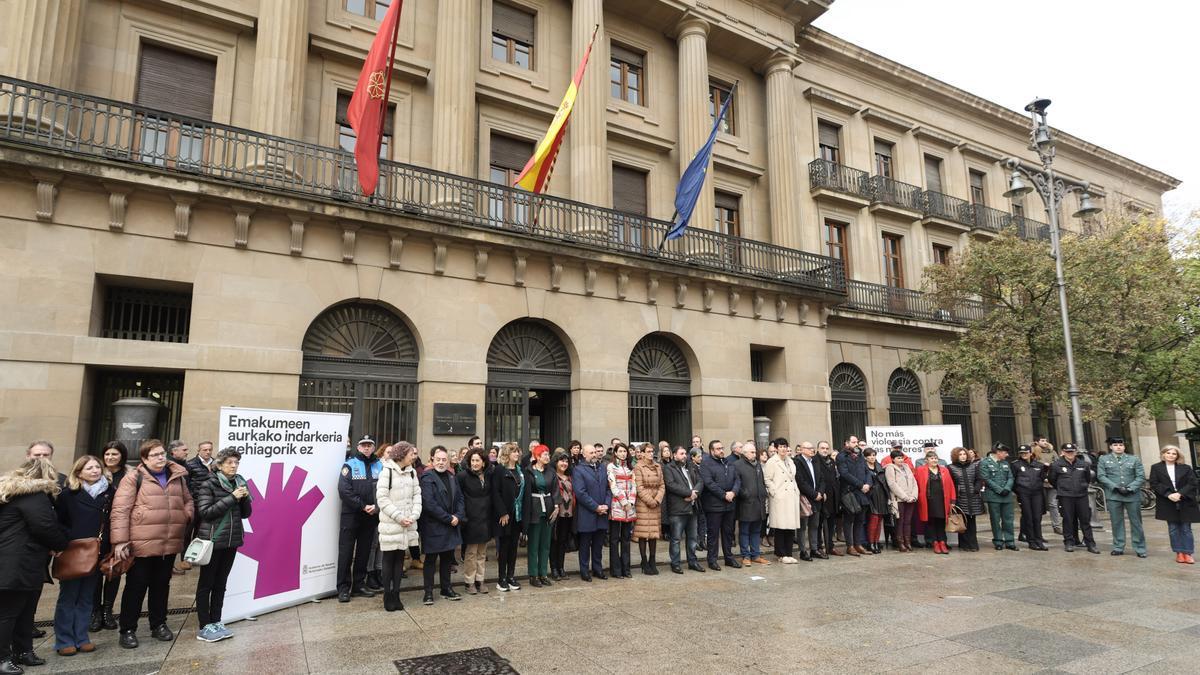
(675, 419)
(145, 314)
(643, 418)
(1003, 422)
(958, 411)
(387, 411)
(166, 388)
(506, 416)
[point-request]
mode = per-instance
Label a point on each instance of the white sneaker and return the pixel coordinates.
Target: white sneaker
(502, 587)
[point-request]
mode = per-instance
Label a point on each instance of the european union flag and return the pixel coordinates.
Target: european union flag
(692, 181)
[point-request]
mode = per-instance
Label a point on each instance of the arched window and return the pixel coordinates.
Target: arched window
(529, 386)
(848, 404)
(904, 399)
(361, 358)
(660, 384)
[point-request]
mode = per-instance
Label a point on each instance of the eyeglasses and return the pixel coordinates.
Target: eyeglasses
(156, 455)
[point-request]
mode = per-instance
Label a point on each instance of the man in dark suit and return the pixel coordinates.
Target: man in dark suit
(591, 519)
(721, 487)
(812, 488)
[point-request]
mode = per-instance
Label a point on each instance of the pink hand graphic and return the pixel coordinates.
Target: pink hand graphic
(278, 520)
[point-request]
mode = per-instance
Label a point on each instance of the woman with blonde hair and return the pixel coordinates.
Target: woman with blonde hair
(83, 512)
(29, 531)
(398, 496)
(1176, 487)
(508, 493)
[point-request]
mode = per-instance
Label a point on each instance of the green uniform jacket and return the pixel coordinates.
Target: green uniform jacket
(1123, 470)
(997, 479)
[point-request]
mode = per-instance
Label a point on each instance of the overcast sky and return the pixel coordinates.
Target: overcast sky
(1122, 75)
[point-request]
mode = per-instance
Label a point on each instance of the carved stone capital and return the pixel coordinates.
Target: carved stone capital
(622, 284)
(589, 279)
(781, 304)
(241, 225)
(183, 215)
(395, 249)
(652, 290)
(680, 292)
(707, 297)
(520, 262)
(441, 249)
(758, 304)
(556, 271)
(297, 232)
(481, 263)
(47, 192)
(349, 241)
(118, 200)
(734, 298)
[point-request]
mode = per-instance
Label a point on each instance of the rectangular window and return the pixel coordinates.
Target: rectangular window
(1018, 210)
(829, 141)
(369, 8)
(626, 68)
(507, 157)
(977, 194)
(883, 158)
(179, 83)
(347, 180)
(758, 369)
(893, 265)
(512, 35)
(941, 254)
(836, 245)
(718, 93)
(727, 216)
(154, 315)
(933, 173)
(629, 196)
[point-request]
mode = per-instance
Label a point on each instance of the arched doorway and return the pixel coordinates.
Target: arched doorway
(848, 403)
(361, 359)
(529, 386)
(660, 389)
(904, 399)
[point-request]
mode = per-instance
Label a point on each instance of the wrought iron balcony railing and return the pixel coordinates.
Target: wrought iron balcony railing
(987, 218)
(1028, 228)
(824, 174)
(939, 205)
(890, 191)
(906, 303)
(78, 124)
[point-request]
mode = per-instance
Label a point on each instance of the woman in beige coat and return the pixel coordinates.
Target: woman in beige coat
(783, 501)
(902, 486)
(651, 490)
(398, 496)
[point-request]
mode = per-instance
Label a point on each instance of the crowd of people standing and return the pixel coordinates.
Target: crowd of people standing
(807, 502)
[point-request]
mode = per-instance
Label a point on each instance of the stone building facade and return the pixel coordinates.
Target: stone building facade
(179, 219)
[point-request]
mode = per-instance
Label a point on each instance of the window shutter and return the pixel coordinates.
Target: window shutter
(512, 22)
(726, 200)
(933, 173)
(629, 190)
(976, 180)
(828, 134)
(625, 55)
(176, 82)
(510, 153)
(883, 148)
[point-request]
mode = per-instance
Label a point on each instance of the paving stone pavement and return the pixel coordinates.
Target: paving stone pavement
(992, 612)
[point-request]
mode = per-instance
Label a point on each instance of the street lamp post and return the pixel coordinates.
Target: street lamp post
(1052, 191)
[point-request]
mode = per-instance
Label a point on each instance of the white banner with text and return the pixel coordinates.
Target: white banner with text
(913, 438)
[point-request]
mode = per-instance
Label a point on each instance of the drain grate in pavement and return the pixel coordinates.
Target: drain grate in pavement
(483, 661)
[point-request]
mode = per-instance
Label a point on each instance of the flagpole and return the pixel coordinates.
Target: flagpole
(387, 87)
(663, 243)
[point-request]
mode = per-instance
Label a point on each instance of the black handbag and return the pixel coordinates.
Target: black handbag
(850, 503)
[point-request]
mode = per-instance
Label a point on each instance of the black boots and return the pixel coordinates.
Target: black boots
(652, 564)
(97, 621)
(374, 583)
(110, 621)
(391, 601)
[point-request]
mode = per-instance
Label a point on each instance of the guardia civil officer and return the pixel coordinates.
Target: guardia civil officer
(997, 492)
(1122, 476)
(1029, 475)
(360, 519)
(1071, 476)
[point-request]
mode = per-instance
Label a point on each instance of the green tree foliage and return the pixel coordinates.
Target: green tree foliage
(1134, 308)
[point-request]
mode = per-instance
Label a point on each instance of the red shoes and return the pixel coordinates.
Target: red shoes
(940, 547)
(1185, 558)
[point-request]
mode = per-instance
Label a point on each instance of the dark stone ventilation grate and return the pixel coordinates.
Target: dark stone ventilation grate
(483, 661)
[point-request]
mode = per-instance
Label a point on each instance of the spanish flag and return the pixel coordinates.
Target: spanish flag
(536, 173)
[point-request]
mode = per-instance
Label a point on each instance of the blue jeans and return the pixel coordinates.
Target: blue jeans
(74, 611)
(1181, 538)
(750, 538)
(683, 526)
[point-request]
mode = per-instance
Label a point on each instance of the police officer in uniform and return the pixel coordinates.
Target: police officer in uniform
(1071, 476)
(1028, 477)
(1122, 476)
(360, 519)
(997, 492)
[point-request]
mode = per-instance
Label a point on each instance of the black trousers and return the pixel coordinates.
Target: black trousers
(506, 553)
(591, 552)
(354, 547)
(106, 592)
(720, 529)
(784, 540)
(619, 536)
(852, 525)
(16, 621)
(393, 568)
(829, 521)
(935, 529)
(440, 563)
(151, 575)
(1077, 514)
(1033, 505)
(970, 538)
(808, 534)
(210, 589)
(560, 541)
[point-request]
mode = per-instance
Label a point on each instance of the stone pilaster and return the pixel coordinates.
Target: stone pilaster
(43, 38)
(456, 59)
(280, 58)
(591, 179)
(695, 122)
(783, 174)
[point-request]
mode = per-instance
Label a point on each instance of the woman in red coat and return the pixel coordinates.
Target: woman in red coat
(935, 495)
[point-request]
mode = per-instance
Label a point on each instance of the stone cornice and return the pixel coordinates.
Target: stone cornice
(816, 94)
(814, 41)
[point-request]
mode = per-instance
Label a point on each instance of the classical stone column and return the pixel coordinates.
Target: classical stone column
(695, 122)
(43, 38)
(783, 174)
(591, 179)
(280, 57)
(456, 59)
